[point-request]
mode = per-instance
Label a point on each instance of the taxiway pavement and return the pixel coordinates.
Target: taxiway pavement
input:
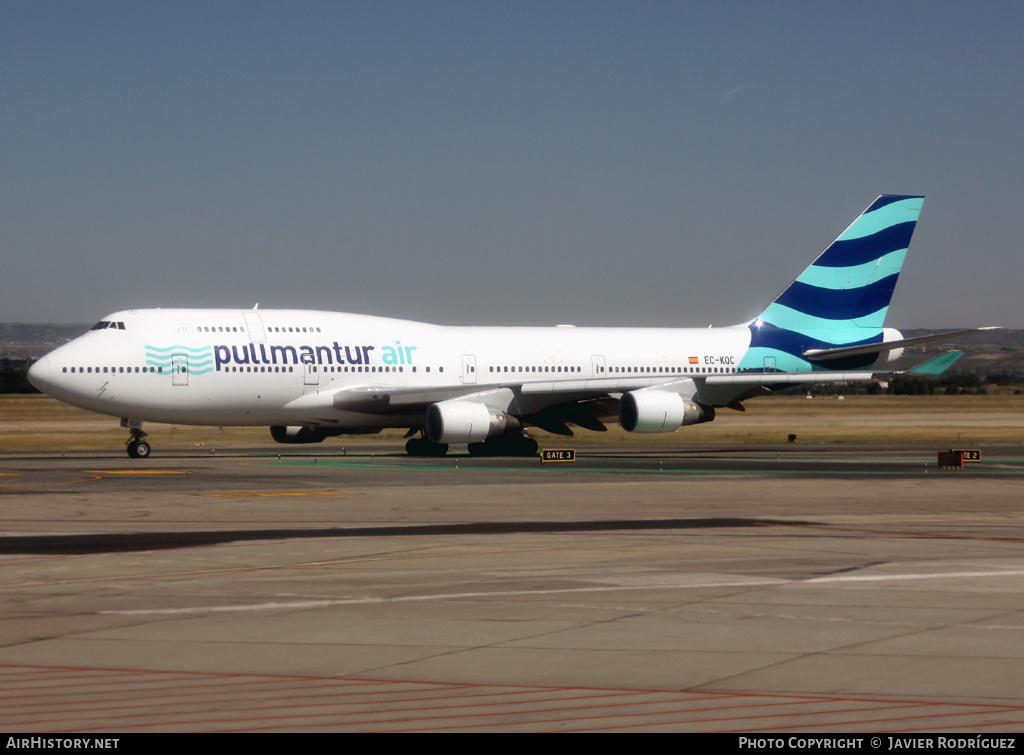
(784, 588)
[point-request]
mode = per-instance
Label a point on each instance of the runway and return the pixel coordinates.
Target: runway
(787, 588)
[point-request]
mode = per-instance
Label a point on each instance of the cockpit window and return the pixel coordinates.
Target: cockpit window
(104, 324)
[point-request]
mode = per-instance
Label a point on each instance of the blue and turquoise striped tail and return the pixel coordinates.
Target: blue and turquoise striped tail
(842, 298)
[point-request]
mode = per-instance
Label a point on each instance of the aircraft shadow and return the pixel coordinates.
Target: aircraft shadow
(150, 541)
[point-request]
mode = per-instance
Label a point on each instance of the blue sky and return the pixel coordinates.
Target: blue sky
(635, 163)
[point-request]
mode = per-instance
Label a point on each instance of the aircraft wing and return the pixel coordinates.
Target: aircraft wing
(537, 394)
(531, 398)
(528, 396)
(550, 404)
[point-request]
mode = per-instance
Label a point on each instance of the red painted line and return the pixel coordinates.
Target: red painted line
(982, 710)
(198, 720)
(834, 698)
(643, 714)
(209, 701)
(364, 724)
(645, 724)
(1018, 724)
(271, 704)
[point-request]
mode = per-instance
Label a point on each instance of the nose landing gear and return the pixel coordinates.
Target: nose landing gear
(138, 447)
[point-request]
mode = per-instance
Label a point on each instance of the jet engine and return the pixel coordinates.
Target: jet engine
(465, 422)
(888, 357)
(649, 411)
(297, 434)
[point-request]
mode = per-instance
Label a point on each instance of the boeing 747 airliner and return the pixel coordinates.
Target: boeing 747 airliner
(309, 375)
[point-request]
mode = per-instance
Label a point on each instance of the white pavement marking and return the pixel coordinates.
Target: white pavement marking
(753, 582)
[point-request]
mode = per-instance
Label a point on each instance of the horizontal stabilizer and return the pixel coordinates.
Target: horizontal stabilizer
(821, 355)
(936, 366)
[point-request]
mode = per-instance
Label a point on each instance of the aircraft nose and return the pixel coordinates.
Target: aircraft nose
(39, 374)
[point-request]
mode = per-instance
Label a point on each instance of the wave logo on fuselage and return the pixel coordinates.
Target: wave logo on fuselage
(199, 361)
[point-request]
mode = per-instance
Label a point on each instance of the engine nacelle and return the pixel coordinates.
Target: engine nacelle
(649, 411)
(465, 422)
(888, 357)
(297, 434)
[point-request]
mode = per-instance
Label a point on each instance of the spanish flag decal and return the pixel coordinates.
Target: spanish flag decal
(693, 360)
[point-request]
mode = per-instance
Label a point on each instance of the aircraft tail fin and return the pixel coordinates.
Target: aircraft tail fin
(841, 299)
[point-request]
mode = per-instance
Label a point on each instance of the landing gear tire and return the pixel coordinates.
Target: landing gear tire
(138, 447)
(423, 447)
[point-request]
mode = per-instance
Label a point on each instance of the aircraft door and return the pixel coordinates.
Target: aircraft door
(769, 364)
(597, 362)
(312, 374)
(254, 325)
(468, 369)
(179, 369)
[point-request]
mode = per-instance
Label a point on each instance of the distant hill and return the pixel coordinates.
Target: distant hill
(996, 352)
(22, 343)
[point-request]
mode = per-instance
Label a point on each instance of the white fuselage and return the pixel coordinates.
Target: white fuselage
(286, 367)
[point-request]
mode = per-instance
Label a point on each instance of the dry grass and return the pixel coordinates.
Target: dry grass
(42, 424)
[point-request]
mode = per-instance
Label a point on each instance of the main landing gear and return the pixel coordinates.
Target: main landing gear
(509, 444)
(138, 446)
